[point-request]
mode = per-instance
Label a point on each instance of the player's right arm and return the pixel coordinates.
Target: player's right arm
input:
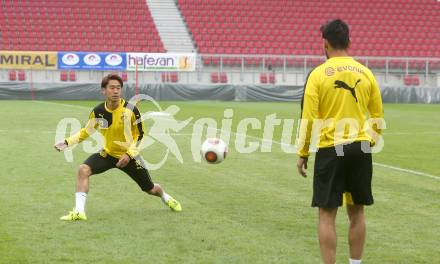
(84, 133)
(309, 113)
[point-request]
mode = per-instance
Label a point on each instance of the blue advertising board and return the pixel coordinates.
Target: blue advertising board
(92, 61)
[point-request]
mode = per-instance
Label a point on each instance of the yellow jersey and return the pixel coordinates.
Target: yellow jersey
(340, 89)
(121, 128)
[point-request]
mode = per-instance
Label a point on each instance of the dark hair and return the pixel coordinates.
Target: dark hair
(336, 33)
(111, 76)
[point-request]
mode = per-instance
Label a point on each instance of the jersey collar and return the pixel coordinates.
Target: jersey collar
(341, 58)
(120, 105)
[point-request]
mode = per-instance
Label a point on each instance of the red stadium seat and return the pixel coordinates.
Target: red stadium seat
(292, 27)
(124, 76)
(12, 75)
(434, 65)
(411, 80)
(216, 61)
(63, 76)
(223, 77)
(21, 76)
(272, 78)
(217, 77)
(65, 22)
(263, 77)
(170, 77)
(174, 77)
(415, 80)
(207, 61)
(164, 77)
(214, 77)
(72, 76)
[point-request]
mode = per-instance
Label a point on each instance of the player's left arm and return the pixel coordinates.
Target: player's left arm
(375, 106)
(138, 130)
(375, 109)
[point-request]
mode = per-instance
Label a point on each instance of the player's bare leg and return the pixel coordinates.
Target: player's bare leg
(327, 234)
(357, 230)
(82, 179)
(82, 188)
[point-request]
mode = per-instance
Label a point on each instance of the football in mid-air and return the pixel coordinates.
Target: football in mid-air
(214, 150)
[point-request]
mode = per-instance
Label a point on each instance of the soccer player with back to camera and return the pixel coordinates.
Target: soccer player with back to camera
(120, 151)
(339, 89)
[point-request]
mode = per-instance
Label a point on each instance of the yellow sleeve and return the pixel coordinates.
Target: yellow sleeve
(309, 112)
(375, 107)
(85, 132)
(137, 132)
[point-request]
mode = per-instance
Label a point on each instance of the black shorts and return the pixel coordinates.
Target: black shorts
(335, 175)
(136, 169)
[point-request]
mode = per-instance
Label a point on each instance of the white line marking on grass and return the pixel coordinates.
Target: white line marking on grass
(53, 132)
(407, 171)
(66, 105)
(26, 131)
(411, 133)
(375, 163)
(280, 143)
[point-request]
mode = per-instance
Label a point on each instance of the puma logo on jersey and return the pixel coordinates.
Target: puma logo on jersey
(343, 85)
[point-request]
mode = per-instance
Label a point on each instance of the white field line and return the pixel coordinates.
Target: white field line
(26, 131)
(411, 133)
(414, 172)
(65, 105)
(53, 132)
(407, 171)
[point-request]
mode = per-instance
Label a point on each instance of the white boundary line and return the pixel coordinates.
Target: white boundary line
(53, 132)
(411, 133)
(407, 171)
(280, 143)
(61, 104)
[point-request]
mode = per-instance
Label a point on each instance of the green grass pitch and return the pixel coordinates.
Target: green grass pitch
(252, 208)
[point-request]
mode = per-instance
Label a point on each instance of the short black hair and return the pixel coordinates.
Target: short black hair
(336, 33)
(111, 76)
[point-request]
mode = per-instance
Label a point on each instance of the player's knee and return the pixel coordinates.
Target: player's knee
(357, 219)
(84, 170)
(357, 222)
(355, 214)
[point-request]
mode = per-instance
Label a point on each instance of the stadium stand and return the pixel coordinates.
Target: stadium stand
(284, 27)
(273, 42)
(84, 25)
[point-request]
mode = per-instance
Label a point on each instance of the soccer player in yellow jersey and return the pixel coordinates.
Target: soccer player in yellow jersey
(338, 96)
(120, 151)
